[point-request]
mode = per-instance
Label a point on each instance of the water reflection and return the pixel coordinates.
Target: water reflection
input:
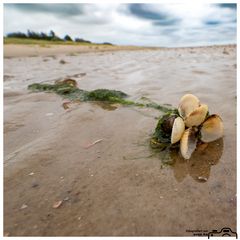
(106, 106)
(200, 163)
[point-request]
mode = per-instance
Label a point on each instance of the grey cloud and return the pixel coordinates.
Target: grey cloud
(167, 22)
(140, 10)
(169, 30)
(158, 18)
(228, 5)
(61, 9)
(212, 22)
(81, 13)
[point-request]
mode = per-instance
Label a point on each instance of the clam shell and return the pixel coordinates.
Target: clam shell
(188, 142)
(212, 129)
(167, 124)
(188, 103)
(177, 130)
(197, 117)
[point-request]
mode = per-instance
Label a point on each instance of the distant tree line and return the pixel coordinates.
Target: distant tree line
(44, 36)
(35, 35)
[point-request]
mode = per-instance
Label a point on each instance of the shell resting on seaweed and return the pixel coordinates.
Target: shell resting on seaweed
(177, 130)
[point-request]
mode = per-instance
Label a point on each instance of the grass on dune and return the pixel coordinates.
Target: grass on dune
(47, 42)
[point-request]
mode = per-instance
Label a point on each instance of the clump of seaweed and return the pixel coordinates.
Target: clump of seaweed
(162, 135)
(68, 89)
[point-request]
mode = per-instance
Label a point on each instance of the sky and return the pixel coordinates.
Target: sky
(166, 25)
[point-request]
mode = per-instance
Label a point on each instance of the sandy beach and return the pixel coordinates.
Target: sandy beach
(32, 50)
(119, 186)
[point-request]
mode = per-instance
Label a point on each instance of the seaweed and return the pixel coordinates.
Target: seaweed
(157, 106)
(150, 104)
(39, 87)
(106, 95)
(68, 89)
(161, 137)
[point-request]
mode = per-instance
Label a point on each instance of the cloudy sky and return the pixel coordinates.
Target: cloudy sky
(129, 24)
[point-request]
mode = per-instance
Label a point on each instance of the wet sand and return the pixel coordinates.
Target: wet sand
(119, 186)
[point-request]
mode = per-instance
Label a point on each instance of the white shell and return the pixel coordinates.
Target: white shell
(197, 117)
(188, 103)
(212, 129)
(188, 143)
(177, 130)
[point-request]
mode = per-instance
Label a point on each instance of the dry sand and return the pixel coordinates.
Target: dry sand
(32, 50)
(119, 186)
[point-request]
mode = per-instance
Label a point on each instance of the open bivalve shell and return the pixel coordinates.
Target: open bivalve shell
(167, 124)
(177, 130)
(188, 142)
(197, 117)
(188, 103)
(212, 129)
